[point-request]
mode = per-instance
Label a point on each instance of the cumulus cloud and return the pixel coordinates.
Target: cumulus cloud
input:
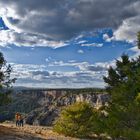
(130, 26)
(60, 20)
(39, 76)
(88, 75)
(66, 64)
(97, 67)
(84, 66)
(27, 39)
(128, 30)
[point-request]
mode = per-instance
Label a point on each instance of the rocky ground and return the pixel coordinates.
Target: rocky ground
(9, 131)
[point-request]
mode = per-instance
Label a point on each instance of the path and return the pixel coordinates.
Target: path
(11, 132)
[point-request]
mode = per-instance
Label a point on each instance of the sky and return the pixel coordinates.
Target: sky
(67, 43)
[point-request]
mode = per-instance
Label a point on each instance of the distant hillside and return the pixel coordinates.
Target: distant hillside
(42, 106)
(71, 90)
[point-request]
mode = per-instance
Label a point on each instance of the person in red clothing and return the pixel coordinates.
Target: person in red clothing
(17, 119)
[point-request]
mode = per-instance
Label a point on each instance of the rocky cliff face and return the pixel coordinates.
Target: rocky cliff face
(42, 107)
(51, 103)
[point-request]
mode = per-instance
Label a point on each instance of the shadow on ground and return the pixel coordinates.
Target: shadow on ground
(13, 134)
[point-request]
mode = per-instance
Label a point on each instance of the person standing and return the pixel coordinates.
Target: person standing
(17, 119)
(21, 120)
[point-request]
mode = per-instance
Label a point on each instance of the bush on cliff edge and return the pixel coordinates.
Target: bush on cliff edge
(75, 120)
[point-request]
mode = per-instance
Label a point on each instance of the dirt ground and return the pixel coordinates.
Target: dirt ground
(11, 132)
(14, 134)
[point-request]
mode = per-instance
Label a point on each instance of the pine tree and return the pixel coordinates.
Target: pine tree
(5, 81)
(124, 109)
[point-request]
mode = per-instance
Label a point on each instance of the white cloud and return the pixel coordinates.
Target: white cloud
(62, 64)
(47, 60)
(24, 39)
(130, 26)
(134, 49)
(38, 76)
(82, 41)
(84, 66)
(129, 29)
(107, 38)
(136, 52)
(45, 23)
(88, 75)
(92, 45)
(72, 61)
(97, 67)
(80, 51)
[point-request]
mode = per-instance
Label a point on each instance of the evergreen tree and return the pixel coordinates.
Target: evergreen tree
(5, 81)
(123, 84)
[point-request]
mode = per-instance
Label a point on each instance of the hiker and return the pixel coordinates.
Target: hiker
(20, 120)
(17, 119)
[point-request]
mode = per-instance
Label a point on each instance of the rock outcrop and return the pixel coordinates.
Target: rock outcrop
(51, 104)
(42, 107)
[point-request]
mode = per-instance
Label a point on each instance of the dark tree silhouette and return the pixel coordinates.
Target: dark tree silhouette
(138, 37)
(5, 81)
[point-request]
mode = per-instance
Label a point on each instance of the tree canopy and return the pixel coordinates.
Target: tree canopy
(75, 120)
(5, 80)
(124, 109)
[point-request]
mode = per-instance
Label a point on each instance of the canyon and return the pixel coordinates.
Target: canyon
(42, 107)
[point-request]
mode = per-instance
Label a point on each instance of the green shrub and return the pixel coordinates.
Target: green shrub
(75, 120)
